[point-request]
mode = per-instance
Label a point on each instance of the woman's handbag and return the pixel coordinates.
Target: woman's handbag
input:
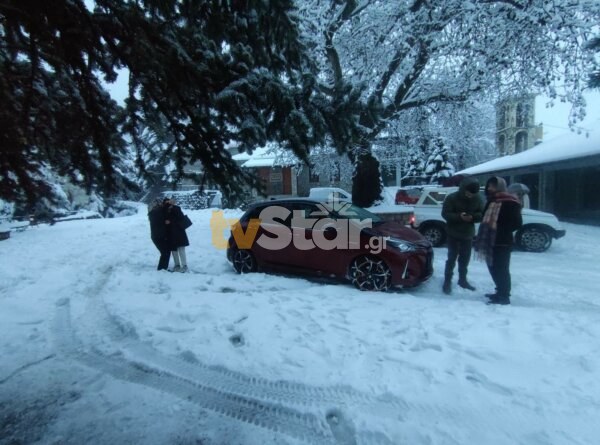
(186, 222)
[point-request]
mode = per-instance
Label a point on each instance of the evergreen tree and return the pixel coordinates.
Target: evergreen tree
(364, 190)
(414, 168)
(203, 76)
(438, 165)
(55, 113)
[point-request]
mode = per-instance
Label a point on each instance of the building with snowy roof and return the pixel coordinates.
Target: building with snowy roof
(563, 170)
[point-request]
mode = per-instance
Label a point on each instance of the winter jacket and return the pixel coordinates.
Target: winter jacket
(158, 228)
(457, 203)
(175, 232)
(509, 218)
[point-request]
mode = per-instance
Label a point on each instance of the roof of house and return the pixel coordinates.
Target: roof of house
(565, 147)
(266, 157)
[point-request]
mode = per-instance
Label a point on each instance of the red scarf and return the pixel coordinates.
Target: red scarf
(486, 236)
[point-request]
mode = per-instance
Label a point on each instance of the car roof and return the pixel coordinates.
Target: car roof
(286, 200)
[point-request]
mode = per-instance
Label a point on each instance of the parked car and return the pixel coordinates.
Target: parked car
(407, 196)
(309, 236)
(195, 199)
(536, 234)
(329, 194)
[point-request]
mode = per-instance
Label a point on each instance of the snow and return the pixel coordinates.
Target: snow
(554, 115)
(268, 156)
(561, 148)
(96, 346)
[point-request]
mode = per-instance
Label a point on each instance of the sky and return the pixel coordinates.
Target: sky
(96, 346)
(554, 115)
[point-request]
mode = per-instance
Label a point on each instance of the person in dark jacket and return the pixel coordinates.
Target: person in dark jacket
(495, 237)
(461, 210)
(176, 235)
(158, 233)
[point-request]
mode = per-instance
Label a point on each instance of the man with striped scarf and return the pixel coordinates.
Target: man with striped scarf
(502, 216)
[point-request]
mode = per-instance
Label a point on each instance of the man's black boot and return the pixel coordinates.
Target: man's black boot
(447, 286)
(499, 300)
(465, 284)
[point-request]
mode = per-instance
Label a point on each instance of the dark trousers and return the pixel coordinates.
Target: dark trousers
(458, 249)
(500, 270)
(165, 254)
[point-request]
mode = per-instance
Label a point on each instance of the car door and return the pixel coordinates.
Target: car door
(274, 238)
(314, 233)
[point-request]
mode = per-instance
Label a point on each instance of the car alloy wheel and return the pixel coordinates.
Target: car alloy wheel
(534, 239)
(434, 234)
(370, 273)
(243, 261)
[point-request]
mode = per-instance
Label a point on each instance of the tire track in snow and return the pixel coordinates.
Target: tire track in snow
(121, 334)
(275, 417)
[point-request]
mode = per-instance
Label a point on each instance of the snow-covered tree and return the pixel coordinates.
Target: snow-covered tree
(381, 59)
(438, 165)
(206, 74)
(594, 80)
(467, 127)
(414, 168)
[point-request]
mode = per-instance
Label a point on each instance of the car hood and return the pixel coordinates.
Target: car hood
(537, 213)
(535, 216)
(395, 230)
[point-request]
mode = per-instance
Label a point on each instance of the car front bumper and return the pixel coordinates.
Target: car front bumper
(559, 233)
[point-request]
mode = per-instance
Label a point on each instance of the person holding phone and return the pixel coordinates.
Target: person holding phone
(461, 210)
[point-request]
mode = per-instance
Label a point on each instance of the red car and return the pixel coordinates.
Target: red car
(329, 239)
(407, 196)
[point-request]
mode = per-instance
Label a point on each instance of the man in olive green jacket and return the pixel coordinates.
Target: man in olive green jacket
(461, 210)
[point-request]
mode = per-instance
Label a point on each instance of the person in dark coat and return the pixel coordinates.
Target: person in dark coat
(176, 235)
(158, 233)
(501, 218)
(461, 210)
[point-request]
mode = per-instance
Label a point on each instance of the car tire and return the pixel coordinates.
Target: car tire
(435, 234)
(243, 261)
(534, 239)
(370, 273)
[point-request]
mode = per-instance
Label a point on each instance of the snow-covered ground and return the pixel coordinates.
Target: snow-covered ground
(98, 347)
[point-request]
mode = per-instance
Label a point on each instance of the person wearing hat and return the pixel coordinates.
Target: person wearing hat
(461, 210)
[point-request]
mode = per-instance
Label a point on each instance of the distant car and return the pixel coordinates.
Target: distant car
(329, 194)
(536, 234)
(195, 199)
(309, 236)
(407, 196)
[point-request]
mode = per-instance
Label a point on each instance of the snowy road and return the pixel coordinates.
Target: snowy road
(98, 347)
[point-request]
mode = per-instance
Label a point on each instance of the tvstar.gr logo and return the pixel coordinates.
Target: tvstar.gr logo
(330, 226)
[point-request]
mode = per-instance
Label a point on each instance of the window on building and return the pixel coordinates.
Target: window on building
(335, 173)
(521, 142)
(313, 176)
(501, 119)
(523, 112)
(502, 144)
